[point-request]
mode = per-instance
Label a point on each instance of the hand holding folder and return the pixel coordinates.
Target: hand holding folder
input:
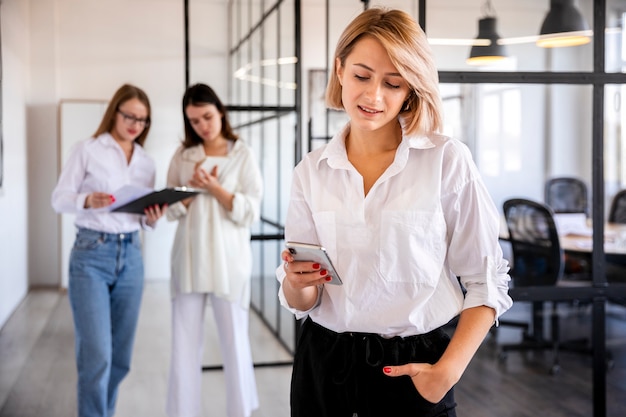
(131, 199)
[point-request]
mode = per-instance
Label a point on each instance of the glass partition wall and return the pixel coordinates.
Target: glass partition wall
(264, 104)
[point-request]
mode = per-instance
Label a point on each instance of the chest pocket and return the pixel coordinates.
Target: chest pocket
(412, 246)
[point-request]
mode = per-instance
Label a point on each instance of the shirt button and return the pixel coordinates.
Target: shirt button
(121, 236)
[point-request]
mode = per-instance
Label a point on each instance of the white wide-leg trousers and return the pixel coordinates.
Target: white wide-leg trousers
(184, 397)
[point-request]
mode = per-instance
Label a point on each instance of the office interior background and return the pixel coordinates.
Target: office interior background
(532, 116)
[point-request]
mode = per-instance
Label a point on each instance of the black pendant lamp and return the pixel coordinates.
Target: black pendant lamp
(563, 26)
(486, 49)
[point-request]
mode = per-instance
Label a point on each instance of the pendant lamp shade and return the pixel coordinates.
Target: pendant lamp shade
(563, 26)
(491, 53)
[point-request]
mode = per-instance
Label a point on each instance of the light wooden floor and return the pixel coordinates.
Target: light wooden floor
(37, 374)
(38, 377)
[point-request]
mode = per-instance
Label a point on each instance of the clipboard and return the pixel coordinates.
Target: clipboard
(161, 197)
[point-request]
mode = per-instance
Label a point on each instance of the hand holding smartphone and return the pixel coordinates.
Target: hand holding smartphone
(314, 253)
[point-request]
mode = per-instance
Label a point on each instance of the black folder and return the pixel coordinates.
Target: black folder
(164, 196)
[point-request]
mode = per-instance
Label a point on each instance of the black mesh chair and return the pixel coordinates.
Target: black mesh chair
(569, 195)
(566, 195)
(538, 260)
(616, 264)
(617, 212)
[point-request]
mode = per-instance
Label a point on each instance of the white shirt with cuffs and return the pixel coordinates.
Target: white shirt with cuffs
(399, 250)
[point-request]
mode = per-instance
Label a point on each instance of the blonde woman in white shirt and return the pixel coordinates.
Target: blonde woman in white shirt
(211, 254)
(402, 212)
(106, 270)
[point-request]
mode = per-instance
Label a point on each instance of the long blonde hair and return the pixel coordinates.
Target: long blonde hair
(410, 53)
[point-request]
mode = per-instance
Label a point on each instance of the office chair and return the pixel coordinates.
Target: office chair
(538, 260)
(566, 195)
(569, 195)
(616, 264)
(617, 212)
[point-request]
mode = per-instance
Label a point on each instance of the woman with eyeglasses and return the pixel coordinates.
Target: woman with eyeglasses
(106, 270)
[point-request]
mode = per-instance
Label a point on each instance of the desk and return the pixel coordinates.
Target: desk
(614, 240)
(580, 241)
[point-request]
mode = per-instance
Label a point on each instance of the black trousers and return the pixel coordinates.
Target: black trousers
(341, 374)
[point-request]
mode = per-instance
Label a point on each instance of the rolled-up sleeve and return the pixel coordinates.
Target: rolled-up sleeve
(474, 254)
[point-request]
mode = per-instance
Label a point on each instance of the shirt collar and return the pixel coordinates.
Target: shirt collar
(196, 152)
(335, 150)
(108, 140)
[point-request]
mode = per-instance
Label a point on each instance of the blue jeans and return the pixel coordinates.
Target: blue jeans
(105, 289)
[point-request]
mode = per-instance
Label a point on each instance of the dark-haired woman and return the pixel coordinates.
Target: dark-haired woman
(106, 270)
(211, 255)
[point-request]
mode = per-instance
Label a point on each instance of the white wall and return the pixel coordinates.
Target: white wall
(13, 193)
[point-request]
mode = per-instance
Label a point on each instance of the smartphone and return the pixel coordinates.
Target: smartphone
(314, 253)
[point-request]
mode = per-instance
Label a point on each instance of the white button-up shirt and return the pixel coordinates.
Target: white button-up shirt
(100, 165)
(427, 220)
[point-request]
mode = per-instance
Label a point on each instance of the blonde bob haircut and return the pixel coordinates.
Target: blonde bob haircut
(121, 96)
(410, 53)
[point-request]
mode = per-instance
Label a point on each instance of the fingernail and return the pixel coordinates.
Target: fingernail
(387, 370)
(323, 272)
(316, 266)
(328, 279)
(112, 199)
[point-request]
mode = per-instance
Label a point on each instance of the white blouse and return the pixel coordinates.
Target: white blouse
(427, 220)
(100, 165)
(211, 250)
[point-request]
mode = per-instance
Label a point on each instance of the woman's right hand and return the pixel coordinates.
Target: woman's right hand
(302, 274)
(301, 282)
(99, 200)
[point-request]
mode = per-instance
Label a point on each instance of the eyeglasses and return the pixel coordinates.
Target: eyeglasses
(131, 120)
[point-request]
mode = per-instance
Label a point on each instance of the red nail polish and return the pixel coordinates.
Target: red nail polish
(328, 279)
(387, 370)
(323, 272)
(316, 266)
(113, 199)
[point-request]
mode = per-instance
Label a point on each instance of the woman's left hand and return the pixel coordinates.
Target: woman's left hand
(432, 382)
(154, 213)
